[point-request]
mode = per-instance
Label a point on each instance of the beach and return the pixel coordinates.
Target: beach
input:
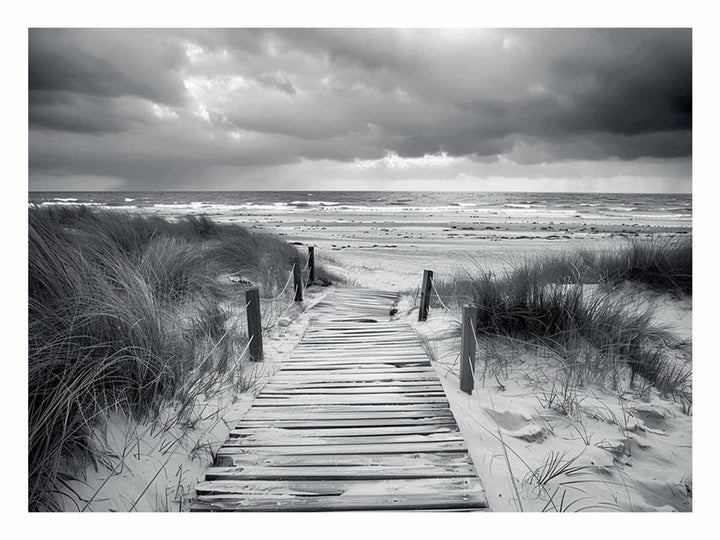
(627, 446)
(386, 239)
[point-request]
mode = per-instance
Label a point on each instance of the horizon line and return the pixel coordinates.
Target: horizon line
(347, 190)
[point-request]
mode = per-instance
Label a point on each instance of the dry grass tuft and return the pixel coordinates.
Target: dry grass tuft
(594, 330)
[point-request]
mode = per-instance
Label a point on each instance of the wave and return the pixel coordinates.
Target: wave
(301, 204)
(69, 202)
(524, 205)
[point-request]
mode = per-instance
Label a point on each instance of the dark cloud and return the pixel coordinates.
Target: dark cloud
(109, 62)
(164, 108)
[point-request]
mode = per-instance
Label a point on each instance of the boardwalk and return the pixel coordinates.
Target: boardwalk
(356, 419)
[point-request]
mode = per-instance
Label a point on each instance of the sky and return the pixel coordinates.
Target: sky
(393, 109)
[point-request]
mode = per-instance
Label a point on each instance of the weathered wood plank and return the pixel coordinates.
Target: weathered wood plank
(281, 390)
(243, 431)
(443, 459)
(425, 501)
(285, 438)
(348, 422)
(375, 368)
(349, 398)
(373, 472)
(335, 449)
(406, 494)
(345, 413)
(361, 377)
(337, 359)
(311, 488)
(355, 385)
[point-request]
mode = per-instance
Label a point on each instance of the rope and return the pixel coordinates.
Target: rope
(287, 308)
(290, 304)
(284, 288)
(432, 284)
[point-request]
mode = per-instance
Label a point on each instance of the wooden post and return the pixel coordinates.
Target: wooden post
(297, 277)
(467, 350)
(252, 298)
(311, 263)
(425, 295)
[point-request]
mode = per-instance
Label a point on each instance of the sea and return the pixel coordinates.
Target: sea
(644, 207)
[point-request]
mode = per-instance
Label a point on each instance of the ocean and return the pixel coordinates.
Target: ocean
(651, 208)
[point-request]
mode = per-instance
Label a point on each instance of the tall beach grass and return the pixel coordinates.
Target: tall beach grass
(579, 305)
(127, 312)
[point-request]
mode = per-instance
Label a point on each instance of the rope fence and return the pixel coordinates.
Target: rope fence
(289, 279)
(253, 304)
(442, 304)
(469, 343)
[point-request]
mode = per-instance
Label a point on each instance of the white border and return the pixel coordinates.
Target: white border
(212, 13)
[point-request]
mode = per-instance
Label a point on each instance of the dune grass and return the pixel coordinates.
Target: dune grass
(127, 312)
(547, 302)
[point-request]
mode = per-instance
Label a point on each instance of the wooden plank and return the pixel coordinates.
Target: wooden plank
(309, 488)
(357, 330)
(360, 352)
(335, 449)
(354, 460)
(381, 340)
(339, 358)
(381, 369)
(348, 411)
(344, 396)
(360, 377)
(359, 363)
(275, 438)
(406, 494)
(324, 326)
(356, 355)
(355, 380)
(243, 431)
(425, 502)
(345, 473)
(349, 399)
(349, 422)
(374, 368)
(356, 385)
(275, 390)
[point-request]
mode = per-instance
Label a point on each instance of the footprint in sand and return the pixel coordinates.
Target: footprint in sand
(518, 426)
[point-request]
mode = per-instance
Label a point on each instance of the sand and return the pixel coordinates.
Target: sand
(622, 451)
(389, 246)
(632, 453)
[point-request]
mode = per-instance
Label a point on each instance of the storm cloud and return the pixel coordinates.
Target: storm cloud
(301, 109)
